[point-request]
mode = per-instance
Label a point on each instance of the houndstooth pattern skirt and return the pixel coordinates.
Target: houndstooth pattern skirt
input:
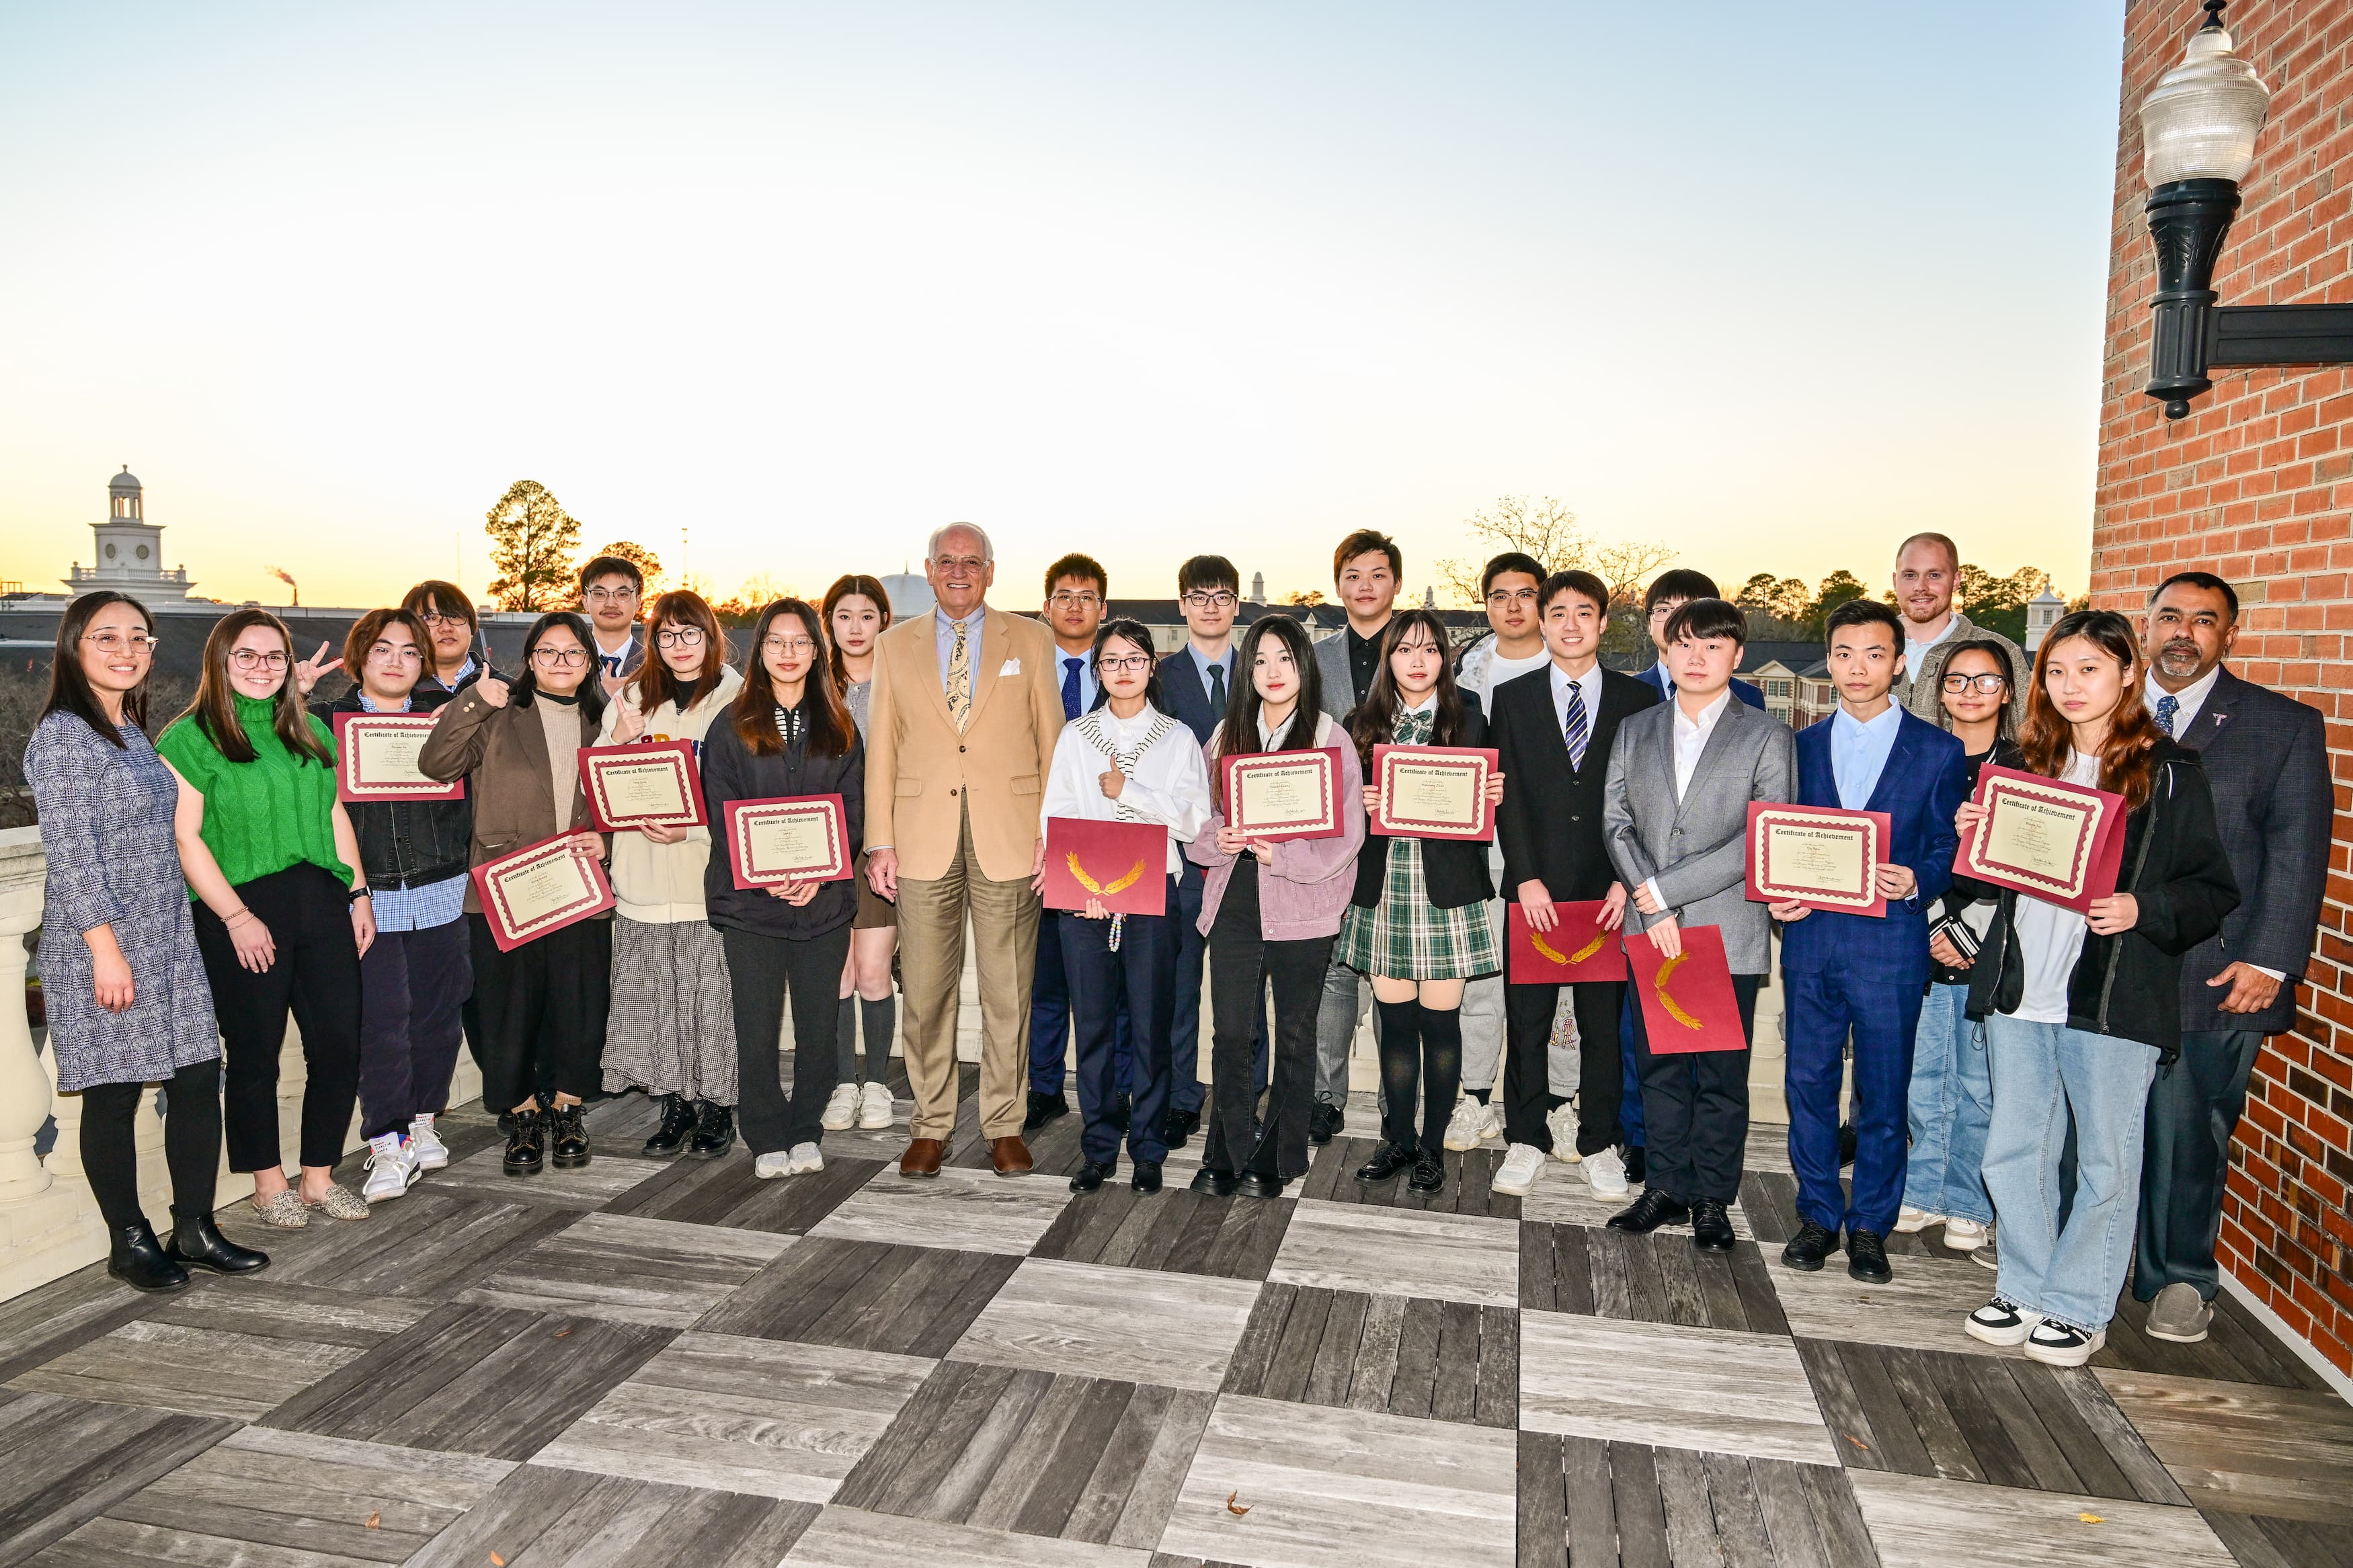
(672, 1029)
(1406, 937)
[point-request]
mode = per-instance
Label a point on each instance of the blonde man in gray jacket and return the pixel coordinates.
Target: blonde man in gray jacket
(1927, 571)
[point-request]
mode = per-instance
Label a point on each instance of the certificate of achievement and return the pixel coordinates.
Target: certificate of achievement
(2059, 842)
(638, 786)
(1282, 794)
(538, 889)
(787, 838)
(1687, 1001)
(1575, 951)
(1817, 855)
(1434, 792)
(1122, 865)
(375, 759)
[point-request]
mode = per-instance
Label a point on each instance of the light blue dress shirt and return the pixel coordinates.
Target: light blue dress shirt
(943, 635)
(1087, 687)
(1201, 668)
(1859, 753)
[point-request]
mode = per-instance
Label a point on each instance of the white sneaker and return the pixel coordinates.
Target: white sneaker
(1963, 1235)
(874, 1107)
(1490, 1122)
(840, 1109)
(1523, 1166)
(768, 1167)
(807, 1159)
(2003, 1322)
(1606, 1174)
(390, 1171)
(1561, 1120)
(1910, 1221)
(425, 1150)
(2055, 1343)
(1467, 1126)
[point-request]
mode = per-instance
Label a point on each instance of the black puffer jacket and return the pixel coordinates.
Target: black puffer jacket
(2129, 985)
(406, 843)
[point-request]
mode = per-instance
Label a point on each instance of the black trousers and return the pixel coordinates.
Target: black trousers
(2193, 1110)
(412, 985)
(1242, 962)
(542, 1009)
(1102, 984)
(1528, 1015)
(1695, 1110)
(315, 976)
(192, 1143)
(762, 971)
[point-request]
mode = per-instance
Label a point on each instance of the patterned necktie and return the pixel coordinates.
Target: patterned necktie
(1217, 688)
(1573, 732)
(2166, 707)
(1070, 687)
(960, 680)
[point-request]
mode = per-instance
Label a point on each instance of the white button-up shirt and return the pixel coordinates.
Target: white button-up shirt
(1691, 737)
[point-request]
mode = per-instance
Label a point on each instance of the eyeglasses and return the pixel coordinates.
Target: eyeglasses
(1661, 611)
(1074, 601)
(437, 619)
(609, 596)
(559, 657)
(1203, 599)
(394, 653)
(115, 642)
(795, 648)
(680, 637)
(1126, 663)
(1985, 684)
(246, 658)
(958, 563)
(1502, 596)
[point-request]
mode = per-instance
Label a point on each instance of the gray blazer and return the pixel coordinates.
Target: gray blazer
(1697, 849)
(1339, 683)
(2266, 757)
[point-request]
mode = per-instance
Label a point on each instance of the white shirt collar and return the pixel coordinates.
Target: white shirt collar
(1424, 706)
(977, 611)
(1888, 719)
(2191, 697)
(1708, 715)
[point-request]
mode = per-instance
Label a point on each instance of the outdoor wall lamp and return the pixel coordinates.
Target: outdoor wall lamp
(2198, 125)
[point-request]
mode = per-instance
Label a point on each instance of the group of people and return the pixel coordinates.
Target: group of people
(2062, 1087)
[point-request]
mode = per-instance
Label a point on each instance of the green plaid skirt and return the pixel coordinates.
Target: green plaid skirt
(1406, 937)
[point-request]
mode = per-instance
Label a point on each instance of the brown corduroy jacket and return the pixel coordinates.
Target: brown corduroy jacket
(502, 754)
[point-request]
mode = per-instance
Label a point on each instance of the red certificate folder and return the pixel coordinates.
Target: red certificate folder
(640, 786)
(1575, 951)
(1409, 776)
(1788, 844)
(785, 838)
(375, 759)
(2074, 835)
(1687, 1002)
(538, 889)
(1305, 784)
(1124, 864)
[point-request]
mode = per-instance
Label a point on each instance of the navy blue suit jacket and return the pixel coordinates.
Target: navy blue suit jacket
(1188, 697)
(1921, 788)
(1745, 690)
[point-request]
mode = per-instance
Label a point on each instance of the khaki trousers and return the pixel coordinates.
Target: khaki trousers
(930, 963)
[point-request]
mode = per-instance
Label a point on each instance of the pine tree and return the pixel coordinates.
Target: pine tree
(532, 541)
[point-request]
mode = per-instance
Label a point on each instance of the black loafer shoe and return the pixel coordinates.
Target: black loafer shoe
(1253, 1184)
(568, 1136)
(1711, 1226)
(1217, 1184)
(714, 1132)
(1091, 1176)
(198, 1243)
(1649, 1212)
(1807, 1249)
(138, 1260)
(1866, 1257)
(526, 1142)
(1146, 1177)
(1388, 1164)
(1043, 1108)
(677, 1126)
(1429, 1173)
(1324, 1120)
(1180, 1126)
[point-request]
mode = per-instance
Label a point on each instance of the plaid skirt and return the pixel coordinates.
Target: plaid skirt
(1406, 937)
(672, 1029)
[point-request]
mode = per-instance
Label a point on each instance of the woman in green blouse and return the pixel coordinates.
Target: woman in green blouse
(282, 914)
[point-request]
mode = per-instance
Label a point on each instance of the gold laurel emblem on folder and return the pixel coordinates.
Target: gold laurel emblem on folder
(1103, 889)
(1659, 987)
(1579, 956)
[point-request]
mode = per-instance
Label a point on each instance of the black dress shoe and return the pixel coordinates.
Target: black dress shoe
(677, 1126)
(1257, 1184)
(568, 1137)
(1429, 1173)
(1846, 1145)
(1324, 1120)
(1043, 1108)
(1122, 1112)
(1866, 1257)
(526, 1142)
(1649, 1212)
(1388, 1162)
(1180, 1126)
(1807, 1249)
(138, 1260)
(1146, 1178)
(1711, 1226)
(714, 1132)
(198, 1243)
(1091, 1176)
(1217, 1184)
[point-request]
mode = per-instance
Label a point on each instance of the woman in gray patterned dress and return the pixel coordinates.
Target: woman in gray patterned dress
(127, 1001)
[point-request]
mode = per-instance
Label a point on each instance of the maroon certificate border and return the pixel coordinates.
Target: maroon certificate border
(736, 812)
(1864, 823)
(2087, 838)
(680, 755)
(349, 790)
(488, 884)
(1242, 760)
(1479, 759)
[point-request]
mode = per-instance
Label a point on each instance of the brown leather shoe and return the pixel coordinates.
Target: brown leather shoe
(922, 1158)
(1009, 1155)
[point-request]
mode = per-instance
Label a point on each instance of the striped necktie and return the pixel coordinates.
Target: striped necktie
(1573, 732)
(960, 680)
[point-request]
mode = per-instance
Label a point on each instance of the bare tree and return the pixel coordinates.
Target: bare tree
(1545, 528)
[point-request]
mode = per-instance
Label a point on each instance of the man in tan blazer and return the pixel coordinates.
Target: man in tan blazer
(961, 732)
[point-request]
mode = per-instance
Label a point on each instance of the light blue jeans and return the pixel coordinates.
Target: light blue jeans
(2040, 1072)
(1949, 1108)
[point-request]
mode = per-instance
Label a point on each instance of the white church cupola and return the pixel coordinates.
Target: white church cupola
(129, 549)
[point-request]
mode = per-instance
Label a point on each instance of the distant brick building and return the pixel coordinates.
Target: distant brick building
(2255, 486)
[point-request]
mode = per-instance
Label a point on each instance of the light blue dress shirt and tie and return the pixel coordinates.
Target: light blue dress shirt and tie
(1859, 750)
(943, 639)
(1074, 676)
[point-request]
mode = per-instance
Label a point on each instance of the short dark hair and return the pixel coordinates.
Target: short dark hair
(441, 598)
(1368, 542)
(1085, 568)
(1683, 583)
(1584, 583)
(370, 627)
(1704, 619)
(1208, 572)
(2206, 580)
(1861, 611)
(1510, 560)
(612, 566)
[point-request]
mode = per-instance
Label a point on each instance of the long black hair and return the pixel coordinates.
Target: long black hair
(831, 730)
(70, 689)
(526, 685)
(1240, 733)
(1375, 720)
(1136, 632)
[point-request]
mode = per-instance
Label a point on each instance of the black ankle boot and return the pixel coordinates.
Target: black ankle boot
(569, 1136)
(526, 1138)
(715, 1131)
(138, 1260)
(677, 1125)
(198, 1243)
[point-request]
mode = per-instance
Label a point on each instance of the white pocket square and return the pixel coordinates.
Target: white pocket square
(1011, 667)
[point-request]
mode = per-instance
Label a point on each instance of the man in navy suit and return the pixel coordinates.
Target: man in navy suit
(1861, 975)
(1669, 592)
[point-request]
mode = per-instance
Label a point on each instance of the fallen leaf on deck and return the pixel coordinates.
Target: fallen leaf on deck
(560, 1333)
(375, 1521)
(2091, 1518)
(497, 1561)
(1234, 1508)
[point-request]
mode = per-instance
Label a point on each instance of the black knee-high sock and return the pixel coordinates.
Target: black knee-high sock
(192, 1136)
(1400, 1043)
(882, 1022)
(1442, 1052)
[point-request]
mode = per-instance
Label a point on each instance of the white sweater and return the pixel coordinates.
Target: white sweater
(661, 884)
(1170, 785)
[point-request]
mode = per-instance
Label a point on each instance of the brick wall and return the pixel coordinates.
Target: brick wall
(2255, 486)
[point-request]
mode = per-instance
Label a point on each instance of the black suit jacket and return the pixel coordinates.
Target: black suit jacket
(2266, 757)
(1455, 871)
(1189, 698)
(1550, 819)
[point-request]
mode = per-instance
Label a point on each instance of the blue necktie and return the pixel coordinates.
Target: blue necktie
(2166, 707)
(1573, 730)
(1070, 687)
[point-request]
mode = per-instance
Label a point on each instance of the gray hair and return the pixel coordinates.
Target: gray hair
(988, 551)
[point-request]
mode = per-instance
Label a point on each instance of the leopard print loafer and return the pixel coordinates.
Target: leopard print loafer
(341, 1203)
(282, 1209)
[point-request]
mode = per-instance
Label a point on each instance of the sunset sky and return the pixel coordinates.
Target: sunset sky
(1775, 285)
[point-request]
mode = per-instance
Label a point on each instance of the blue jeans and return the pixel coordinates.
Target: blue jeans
(1824, 1010)
(2069, 1270)
(1951, 1105)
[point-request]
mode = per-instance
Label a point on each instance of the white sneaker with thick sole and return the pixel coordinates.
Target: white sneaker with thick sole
(1467, 1126)
(874, 1107)
(768, 1167)
(2003, 1322)
(840, 1109)
(1561, 1122)
(806, 1159)
(390, 1171)
(2055, 1343)
(1910, 1221)
(1963, 1235)
(1605, 1172)
(1522, 1168)
(425, 1150)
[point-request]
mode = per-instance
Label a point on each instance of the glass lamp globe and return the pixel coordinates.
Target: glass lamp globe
(2200, 120)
